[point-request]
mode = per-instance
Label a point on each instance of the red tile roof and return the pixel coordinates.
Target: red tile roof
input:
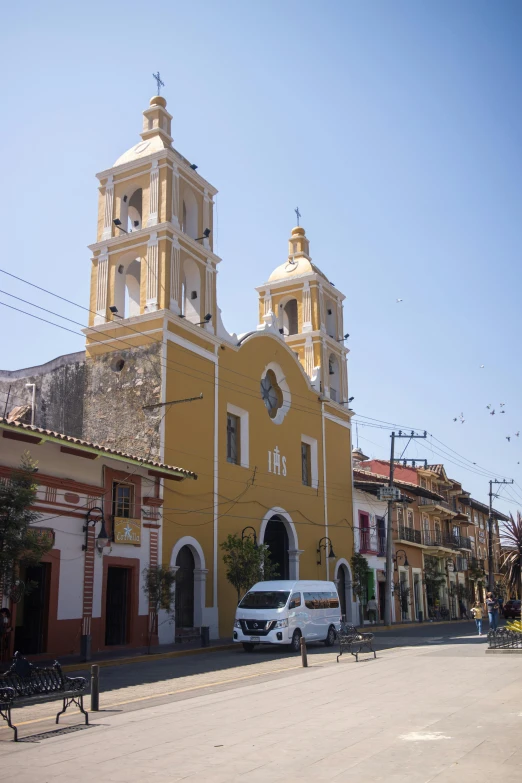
(78, 443)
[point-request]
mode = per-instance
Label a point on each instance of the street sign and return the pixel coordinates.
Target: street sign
(389, 493)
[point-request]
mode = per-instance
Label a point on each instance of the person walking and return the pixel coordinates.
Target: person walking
(492, 607)
(477, 613)
(372, 609)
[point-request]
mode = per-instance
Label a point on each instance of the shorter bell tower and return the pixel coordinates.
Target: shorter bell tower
(306, 310)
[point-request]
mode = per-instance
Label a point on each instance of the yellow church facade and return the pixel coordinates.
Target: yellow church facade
(261, 418)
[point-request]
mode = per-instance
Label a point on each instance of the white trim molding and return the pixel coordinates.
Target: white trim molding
(244, 436)
(314, 466)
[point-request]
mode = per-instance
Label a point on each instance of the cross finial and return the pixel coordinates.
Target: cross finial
(298, 214)
(159, 82)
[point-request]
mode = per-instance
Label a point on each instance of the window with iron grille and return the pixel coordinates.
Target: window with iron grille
(233, 424)
(123, 500)
(306, 464)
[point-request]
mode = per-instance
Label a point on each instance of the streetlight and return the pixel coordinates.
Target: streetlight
(246, 535)
(102, 539)
(331, 553)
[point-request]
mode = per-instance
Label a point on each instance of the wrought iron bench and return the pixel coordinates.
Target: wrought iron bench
(25, 683)
(351, 639)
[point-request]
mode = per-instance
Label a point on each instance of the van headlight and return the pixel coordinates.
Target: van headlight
(237, 624)
(282, 624)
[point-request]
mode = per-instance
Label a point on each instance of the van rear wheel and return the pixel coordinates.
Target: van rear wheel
(295, 644)
(330, 638)
(248, 647)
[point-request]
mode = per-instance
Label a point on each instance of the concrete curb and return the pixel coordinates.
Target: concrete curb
(85, 665)
(401, 626)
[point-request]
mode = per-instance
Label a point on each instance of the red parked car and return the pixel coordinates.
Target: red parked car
(512, 609)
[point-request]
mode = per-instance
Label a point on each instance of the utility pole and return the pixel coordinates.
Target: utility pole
(491, 575)
(389, 528)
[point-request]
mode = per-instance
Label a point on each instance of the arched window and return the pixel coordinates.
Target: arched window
(331, 327)
(131, 211)
(288, 318)
(132, 289)
(191, 291)
(127, 288)
(189, 215)
(135, 211)
(334, 378)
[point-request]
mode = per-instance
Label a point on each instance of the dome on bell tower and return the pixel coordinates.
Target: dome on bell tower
(298, 262)
(155, 134)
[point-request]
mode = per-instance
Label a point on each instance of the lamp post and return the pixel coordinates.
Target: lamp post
(402, 554)
(101, 541)
(244, 534)
(327, 542)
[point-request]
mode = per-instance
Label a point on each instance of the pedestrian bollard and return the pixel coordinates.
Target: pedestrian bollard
(95, 688)
(304, 657)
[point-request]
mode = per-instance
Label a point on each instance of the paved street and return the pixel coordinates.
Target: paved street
(433, 706)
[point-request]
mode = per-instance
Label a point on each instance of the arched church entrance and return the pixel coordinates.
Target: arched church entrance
(341, 588)
(276, 539)
(343, 580)
(184, 607)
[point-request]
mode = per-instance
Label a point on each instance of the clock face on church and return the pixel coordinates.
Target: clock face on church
(271, 393)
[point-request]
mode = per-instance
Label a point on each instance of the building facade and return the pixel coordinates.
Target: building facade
(440, 539)
(262, 418)
(89, 589)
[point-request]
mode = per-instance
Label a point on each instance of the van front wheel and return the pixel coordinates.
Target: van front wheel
(330, 639)
(295, 644)
(248, 646)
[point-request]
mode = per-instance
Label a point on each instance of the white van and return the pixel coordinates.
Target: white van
(282, 611)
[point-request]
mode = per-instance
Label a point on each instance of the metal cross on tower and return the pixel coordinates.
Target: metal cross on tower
(159, 82)
(298, 214)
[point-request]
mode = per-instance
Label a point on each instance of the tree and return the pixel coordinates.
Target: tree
(360, 571)
(512, 557)
(159, 587)
(247, 563)
(20, 542)
(433, 579)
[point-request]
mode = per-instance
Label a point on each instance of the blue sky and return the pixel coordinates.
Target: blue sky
(394, 126)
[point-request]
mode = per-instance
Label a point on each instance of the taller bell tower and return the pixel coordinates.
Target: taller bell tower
(306, 310)
(154, 248)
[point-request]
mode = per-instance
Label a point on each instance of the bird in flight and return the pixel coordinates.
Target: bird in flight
(502, 411)
(398, 300)
(492, 413)
(455, 419)
(508, 438)
(488, 407)
(481, 366)
(502, 404)
(517, 434)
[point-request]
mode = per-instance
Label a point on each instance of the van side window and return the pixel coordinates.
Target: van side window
(295, 601)
(321, 600)
(311, 600)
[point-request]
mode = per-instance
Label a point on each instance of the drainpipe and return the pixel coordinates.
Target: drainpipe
(324, 490)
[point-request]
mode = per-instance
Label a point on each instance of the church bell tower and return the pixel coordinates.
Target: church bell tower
(306, 310)
(154, 248)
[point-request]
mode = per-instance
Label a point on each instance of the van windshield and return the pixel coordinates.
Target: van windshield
(269, 599)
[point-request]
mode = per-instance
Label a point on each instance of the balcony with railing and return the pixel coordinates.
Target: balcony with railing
(409, 534)
(445, 504)
(436, 538)
(372, 541)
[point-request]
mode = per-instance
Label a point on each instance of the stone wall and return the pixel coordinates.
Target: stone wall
(58, 397)
(118, 385)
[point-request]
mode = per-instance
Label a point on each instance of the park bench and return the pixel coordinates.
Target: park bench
(25, 683)
(354, 641)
